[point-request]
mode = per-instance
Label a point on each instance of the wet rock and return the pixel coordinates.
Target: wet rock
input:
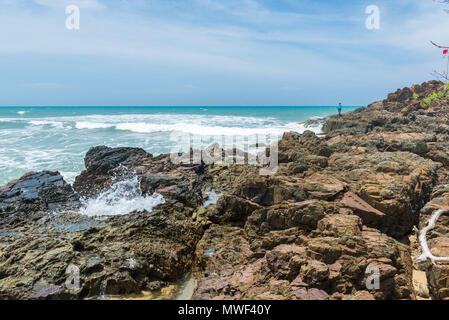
(100, 164)
(338, 206)
(29, 197)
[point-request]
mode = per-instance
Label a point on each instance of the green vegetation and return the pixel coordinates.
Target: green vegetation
(443, 95)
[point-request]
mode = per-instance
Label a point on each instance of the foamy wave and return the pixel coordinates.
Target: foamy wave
(195, 129)
(47, 123)
(10, 119)
(69, 176)
(167, 118)
(122, 198)
(191, 124)
(22, 112)
(60, 142)
(92, 125)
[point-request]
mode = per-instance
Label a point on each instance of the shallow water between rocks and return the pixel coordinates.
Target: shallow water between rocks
(179, 291)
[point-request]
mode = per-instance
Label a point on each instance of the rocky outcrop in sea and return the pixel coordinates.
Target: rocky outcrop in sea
(340, 208)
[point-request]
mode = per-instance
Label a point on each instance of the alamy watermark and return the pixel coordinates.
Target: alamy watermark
(73, 20)
(73, 280)
(372, 22)
(373, 280)
(225, 150)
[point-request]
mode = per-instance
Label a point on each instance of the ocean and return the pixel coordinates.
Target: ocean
(57, 138)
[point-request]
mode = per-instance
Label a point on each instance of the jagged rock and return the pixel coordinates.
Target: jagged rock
(305, 214)
(232, 209)
(117, 255)
(395, 184)
(338, 205)
(323, 187)
(102, 165)
(29, 197)
(339, 225)
(369, 215)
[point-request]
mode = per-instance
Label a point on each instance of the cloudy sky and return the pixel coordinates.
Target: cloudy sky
(215, 52)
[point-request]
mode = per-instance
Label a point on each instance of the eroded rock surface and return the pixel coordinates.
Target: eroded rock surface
(338, 207)
(43, 233)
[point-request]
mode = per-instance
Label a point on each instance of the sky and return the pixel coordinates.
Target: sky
(215, 52)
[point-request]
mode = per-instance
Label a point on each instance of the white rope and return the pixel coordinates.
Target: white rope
(426, 254)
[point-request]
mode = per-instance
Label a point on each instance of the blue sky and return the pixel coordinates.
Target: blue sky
(215, 52)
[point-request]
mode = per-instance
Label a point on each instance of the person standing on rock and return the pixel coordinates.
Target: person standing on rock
(339, 109)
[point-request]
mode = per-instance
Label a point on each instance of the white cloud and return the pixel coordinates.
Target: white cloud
(251, 11)
(276, 51)
(82, 4)
(271, 47)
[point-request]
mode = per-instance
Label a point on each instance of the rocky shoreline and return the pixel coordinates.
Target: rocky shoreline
(338, 206)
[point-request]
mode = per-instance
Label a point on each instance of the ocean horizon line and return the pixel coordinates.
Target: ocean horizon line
(186, 106)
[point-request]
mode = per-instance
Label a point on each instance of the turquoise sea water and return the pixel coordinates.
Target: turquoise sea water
(57, 138)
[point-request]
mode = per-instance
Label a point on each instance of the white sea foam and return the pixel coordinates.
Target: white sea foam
(204, 125)
(47, 123)
(122, 198)
(207, 130)
(69, 176)
(10, 119)
(60, 142)
(22, 112)
(92, 125)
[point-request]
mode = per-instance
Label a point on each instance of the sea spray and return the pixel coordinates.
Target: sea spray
(58, 138)
(121, 198)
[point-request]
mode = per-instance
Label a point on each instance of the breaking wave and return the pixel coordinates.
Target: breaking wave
(121, 198)
(49, 139)
(190, 124)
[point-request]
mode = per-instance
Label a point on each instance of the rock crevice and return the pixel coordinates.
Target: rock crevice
(338, 208)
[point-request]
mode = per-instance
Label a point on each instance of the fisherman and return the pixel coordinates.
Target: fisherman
(339, 109)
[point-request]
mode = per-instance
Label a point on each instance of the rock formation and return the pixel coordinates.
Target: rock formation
(338, 207)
